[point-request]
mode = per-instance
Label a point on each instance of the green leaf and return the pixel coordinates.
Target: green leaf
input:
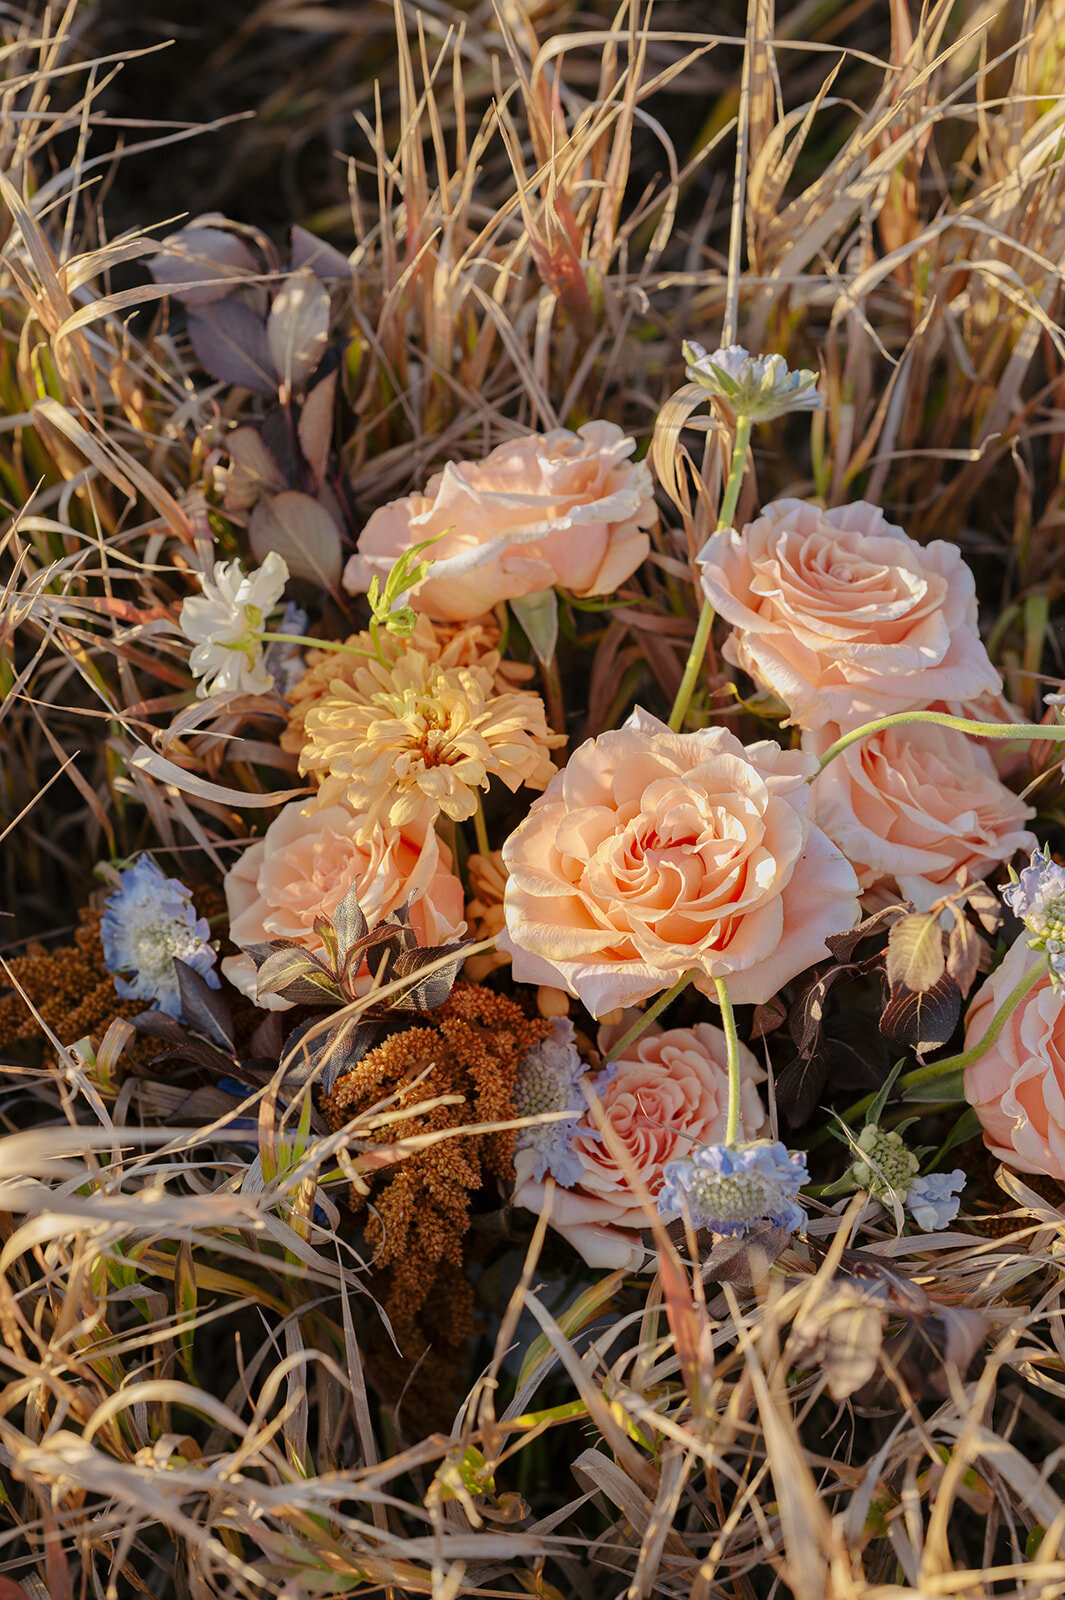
(584, 1309)
(876, 1110)
(951, 1086)
(538, 615)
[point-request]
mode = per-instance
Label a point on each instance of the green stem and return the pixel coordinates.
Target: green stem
(552, 682)
(480, 830)
(317, 644)
(737, 468)
(643, 1023)
(732, 1041)
(976, 730)
(693, 665)
(965, 1058)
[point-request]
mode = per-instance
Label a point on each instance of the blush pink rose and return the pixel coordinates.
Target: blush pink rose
(1017, 1088)
(844, 616)
(670, 1089)
(304, 865)
(559, 509)
(654, 853)
(911, 806)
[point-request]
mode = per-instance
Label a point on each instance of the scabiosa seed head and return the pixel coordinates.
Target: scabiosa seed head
(1037, 897)
(550, 1078)
(759, 387)
(886, 1165)
(730, 1189)
(148, 922)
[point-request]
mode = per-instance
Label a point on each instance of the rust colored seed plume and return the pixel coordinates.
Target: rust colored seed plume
(421, 1207)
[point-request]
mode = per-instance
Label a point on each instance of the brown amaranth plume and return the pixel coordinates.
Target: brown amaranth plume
(420, 1208)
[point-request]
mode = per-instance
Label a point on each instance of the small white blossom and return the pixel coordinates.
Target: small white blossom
(225, 623)
(759, 387)
(933, 1202)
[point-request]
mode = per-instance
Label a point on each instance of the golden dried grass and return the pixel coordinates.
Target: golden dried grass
(183, 1405)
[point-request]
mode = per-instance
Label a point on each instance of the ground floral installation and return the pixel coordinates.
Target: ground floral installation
(537, 1060)
(660, 873)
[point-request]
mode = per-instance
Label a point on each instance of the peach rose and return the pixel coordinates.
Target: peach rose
(844, 616)
(666, 1091)
(911, 805)
(1017, 1088)
(656, 853)
(304, 865)
(554, 509)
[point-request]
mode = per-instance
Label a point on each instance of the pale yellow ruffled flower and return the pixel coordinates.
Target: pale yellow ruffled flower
(449, 644)
(414, 736)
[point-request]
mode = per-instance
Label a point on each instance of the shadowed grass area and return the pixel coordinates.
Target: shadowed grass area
(513, 216)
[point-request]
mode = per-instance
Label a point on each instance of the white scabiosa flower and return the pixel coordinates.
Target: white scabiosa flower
(759, 387)
(549, 1079)
(225, 624)
(730, 1189)
(147, 922)
(933, 1202)
(1038, 899)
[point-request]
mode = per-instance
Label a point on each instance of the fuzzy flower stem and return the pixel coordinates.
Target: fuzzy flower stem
(317, 644)
(732, 1041)
(965, 1058)
(956, 1063)
(977, 730)
(644, 1022)
(693, 666)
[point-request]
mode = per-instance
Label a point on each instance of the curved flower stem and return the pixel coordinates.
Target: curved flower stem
(644, 1022)
(965, 1058)
(693, 665)
(956, 1063)
(480, 830)
(317, 644)
(732, 1041)
(977, 730)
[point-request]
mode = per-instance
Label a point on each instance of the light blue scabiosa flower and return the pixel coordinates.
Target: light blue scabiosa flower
(759, 387)
(933, 1202)
(1037, 897)
(729, 1189)
(550, 1079)
(147, 922)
